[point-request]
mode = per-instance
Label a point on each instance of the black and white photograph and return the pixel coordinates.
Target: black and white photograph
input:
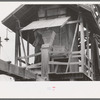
(49, 42)
(49, 49)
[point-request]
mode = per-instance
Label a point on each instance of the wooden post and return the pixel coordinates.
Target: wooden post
(16, 43)
(45, 60)
(73, 46)
(82, 43)
(20, 63)
(73, 68)
(28, 48)
(95, 58)
(87, 34)
(23, 47)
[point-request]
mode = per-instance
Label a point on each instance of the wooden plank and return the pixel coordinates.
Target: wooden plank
(63, 63)
(67, 52)
(94, 58)
(87, 34)
(4, 66)
(76, 56)
(76, 52)
(73, 22)
(70, 55)
(58, 52)
(16, 42)
(28, 48)
(88, 58)
(20, 63)
(20, 60)
(45, 60)
(21, 72)
(82, 43)
(30, 75)
(33, 66)
(23, 47)
(36, 54)
(15, 70)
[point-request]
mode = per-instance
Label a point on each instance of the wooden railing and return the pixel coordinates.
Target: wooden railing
(30, 66)
(88, 68)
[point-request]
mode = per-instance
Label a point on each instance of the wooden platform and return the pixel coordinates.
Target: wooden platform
(68, 77)
(17, 72)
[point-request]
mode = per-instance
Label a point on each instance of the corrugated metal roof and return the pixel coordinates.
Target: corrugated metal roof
(46, 23)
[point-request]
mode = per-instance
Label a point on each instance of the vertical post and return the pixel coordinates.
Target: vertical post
(82, 44)
(28, 48)
(20, 64)
(16, 44)
(87, 34)
(92, 54)
(45, 60)
(23, 47)
(75, 67)
(95, 58)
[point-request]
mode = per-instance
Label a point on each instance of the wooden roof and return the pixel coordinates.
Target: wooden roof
(46, 23)
(28, 13)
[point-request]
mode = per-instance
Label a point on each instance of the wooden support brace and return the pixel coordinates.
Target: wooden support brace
(37, 54)
(23, 48)
(73, 22)
(72, 46)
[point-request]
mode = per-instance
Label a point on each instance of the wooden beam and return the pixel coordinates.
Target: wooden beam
(22, 61)
(73, 22)
(37, 54)
(16, 42)
(96, 61)
(82, 44)
(63, 63)
(70, 55)
(20, 64)
(87, 34)
(38, 65)
(45, 60)
(23, 47)
(95, 58)
(14, 70)
(28, 48)
(74, 52)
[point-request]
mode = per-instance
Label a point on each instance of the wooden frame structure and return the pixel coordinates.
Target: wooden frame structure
(79, 61)
(85, 63)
